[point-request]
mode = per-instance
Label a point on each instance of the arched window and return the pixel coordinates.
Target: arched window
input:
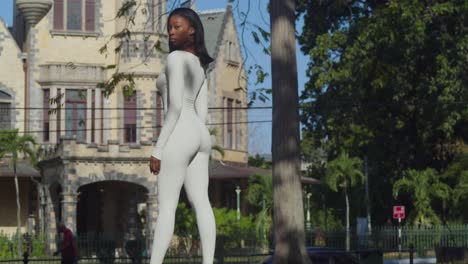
(5, 110)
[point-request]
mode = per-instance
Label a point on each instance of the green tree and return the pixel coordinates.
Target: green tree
(234, 230)
(343, 173)
(424, 186)
(259, 162)
(227, 225)
(461, 190)
(186, 227)
(456, 176)
(17, 146)
(387, 80)
(260, 196)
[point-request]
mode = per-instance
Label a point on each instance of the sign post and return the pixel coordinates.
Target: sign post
(399, 213)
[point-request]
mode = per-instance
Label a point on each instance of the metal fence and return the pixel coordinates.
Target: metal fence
(386, 238)
(426, 241)
(228, 259)
(105, 248)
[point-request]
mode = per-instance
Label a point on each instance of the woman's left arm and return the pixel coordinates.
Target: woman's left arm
(175, 74)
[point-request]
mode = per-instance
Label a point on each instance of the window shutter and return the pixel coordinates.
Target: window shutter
(58, 14)
(5, 116)
(230, 125)
(93, 115)
(238, 125)
(90, 15)
(59, 117)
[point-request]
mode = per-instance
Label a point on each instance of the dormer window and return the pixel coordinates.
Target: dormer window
(231, 54)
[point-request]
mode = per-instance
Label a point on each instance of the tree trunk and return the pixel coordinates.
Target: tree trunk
(347, 219)
(41, 213)
(368, 207)
(18, 215)
(287, 195)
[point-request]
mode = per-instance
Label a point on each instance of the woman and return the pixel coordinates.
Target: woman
(183, 148)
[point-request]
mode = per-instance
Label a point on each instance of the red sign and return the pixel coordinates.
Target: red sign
(399, 212)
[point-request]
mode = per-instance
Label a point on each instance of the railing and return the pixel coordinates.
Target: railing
(98, 246)
(228, 259)
(426, 242)
(385, 238)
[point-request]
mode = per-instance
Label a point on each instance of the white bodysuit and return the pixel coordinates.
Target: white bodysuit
(183, 147)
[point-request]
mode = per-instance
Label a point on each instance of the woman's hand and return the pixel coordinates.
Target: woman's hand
(155, 165)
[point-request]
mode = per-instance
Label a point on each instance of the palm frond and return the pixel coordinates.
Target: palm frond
(11, 142)
(218, 149)
(342, 170)
(260, 191)
(213, 131)
(403, 184)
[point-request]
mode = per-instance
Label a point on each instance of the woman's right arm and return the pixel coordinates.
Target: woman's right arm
(201, 103)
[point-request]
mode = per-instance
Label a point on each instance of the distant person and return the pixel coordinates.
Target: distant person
(320, 237)
(68, 249)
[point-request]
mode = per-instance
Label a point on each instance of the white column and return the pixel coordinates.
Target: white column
(53, 117)
(98, 116)
(89, 94)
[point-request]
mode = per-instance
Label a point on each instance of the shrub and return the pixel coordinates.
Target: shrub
(228, 228)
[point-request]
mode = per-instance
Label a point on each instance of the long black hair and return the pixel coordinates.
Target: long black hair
(199, 38)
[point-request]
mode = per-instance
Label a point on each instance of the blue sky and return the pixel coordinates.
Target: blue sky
(6, 11)
(259, 133)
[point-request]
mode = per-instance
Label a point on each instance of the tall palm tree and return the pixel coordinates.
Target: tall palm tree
(260, 194)
(15, 145)
(343, 173)
(424, 186)
(457, 174)
(461, 190)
